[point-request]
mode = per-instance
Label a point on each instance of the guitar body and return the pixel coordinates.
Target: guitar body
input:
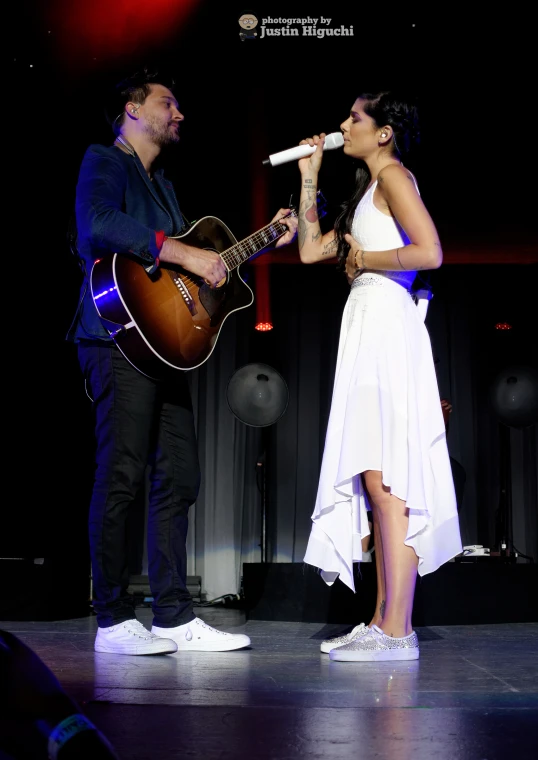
(169, 320)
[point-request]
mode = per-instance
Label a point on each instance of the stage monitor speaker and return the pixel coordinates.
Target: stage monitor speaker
(257, 395)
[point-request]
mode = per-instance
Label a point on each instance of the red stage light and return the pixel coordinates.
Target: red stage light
(262, 298)
(260, 215)
(103, 31)
(503, 326)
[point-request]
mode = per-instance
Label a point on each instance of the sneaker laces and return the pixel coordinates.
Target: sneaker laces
(349, 636)
(199, 621)
(137, 629)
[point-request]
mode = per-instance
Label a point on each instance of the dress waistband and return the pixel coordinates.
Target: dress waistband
(376, 280)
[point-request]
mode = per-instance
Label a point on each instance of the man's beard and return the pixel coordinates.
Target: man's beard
(162, 134)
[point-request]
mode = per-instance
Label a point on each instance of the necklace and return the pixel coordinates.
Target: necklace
(128, 147)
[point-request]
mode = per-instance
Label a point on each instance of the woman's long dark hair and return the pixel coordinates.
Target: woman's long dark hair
(386, 109)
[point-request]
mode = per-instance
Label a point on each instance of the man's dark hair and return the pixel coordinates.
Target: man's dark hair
(135, 87)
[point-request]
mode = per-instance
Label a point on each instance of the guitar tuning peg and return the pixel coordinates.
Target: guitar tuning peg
(321, 204)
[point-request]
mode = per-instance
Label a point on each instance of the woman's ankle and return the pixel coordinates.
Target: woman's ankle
(395, 629)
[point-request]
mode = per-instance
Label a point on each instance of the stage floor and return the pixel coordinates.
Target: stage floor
(473, 695)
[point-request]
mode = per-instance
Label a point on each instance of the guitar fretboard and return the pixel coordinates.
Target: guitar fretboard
(241, 252)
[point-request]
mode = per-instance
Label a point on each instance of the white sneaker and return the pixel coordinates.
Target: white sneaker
(376, 646)
(198, 636)
(338, 641)
(130, 637)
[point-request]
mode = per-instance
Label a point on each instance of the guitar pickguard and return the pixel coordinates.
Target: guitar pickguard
(212, 299)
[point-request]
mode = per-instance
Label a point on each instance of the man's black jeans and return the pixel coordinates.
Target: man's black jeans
(139, 421)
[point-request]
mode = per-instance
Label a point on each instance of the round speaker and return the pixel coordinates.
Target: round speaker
(257, 395)
(514, 396)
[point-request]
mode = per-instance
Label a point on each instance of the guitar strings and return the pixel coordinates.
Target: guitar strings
(243, 251)
(240, 252)
(229, 255)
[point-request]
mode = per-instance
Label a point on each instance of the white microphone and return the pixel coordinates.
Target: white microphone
(334, 140)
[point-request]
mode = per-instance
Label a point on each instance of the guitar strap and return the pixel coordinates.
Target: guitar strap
(114, 328)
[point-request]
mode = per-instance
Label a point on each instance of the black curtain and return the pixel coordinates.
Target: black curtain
(464, 320)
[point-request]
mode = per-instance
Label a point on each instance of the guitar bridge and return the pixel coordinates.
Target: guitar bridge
(189, 300)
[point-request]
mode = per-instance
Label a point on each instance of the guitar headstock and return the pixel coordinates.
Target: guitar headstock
(321, 204)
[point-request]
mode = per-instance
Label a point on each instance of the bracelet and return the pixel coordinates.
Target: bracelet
(356, 253)
(65, 730)
(398, 257)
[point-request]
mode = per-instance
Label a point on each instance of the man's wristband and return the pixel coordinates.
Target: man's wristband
(65, 731)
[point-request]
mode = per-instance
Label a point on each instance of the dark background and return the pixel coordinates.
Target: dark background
(242, 101)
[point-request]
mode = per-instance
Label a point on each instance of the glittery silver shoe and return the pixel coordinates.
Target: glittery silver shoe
(375, 646)
(328, 644)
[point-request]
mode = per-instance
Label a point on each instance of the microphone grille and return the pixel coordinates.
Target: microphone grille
(334, 140)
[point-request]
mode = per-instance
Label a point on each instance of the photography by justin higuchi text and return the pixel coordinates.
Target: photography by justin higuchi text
(308, 26)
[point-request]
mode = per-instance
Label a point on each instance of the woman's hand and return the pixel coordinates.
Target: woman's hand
(312, 164)
(353, 268)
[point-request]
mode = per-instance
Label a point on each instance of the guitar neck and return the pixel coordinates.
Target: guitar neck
(250, 246)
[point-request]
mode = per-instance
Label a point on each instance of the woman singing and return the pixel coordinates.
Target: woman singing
(385, 447)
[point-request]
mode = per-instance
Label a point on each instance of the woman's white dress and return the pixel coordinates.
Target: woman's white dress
(385, 415)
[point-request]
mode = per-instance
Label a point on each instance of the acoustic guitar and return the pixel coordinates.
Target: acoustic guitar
(171, 319)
